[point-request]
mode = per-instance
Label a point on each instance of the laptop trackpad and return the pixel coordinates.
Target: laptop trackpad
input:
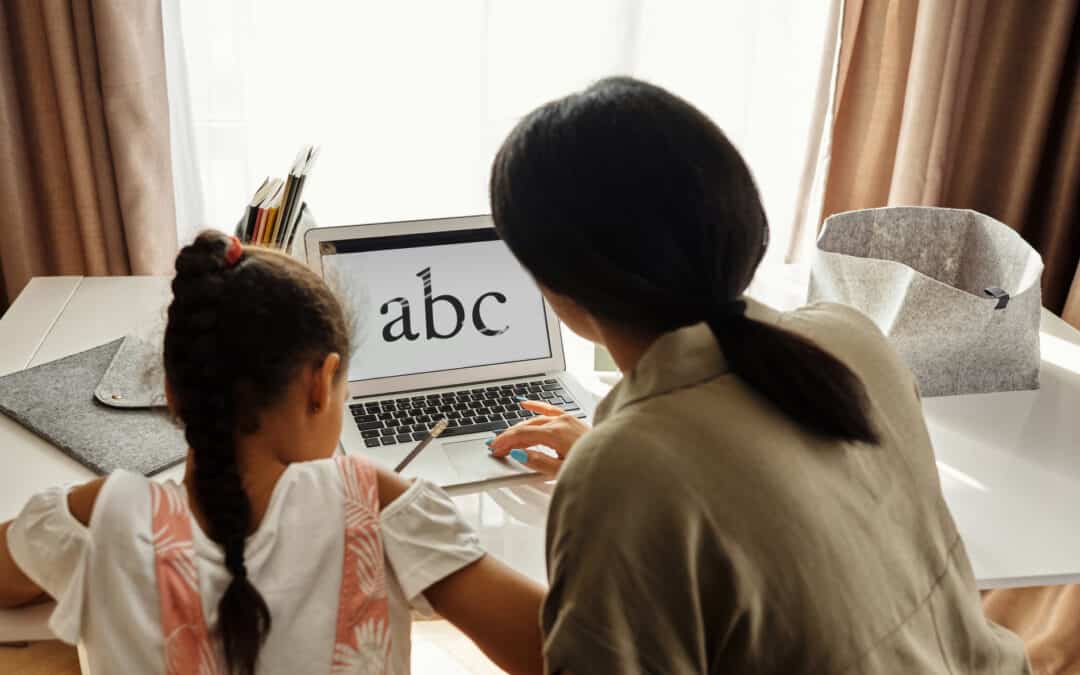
(473, 462)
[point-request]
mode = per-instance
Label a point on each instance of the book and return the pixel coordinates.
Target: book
(278, 227)
(296, 209)
(251, 213)
(264, 211)
(274, 207)
(291, 193)
(260, 220)
(272, 215)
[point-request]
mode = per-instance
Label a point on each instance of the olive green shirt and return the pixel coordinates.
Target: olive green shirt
(697, 529)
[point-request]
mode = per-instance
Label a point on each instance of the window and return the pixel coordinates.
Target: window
(410, 99)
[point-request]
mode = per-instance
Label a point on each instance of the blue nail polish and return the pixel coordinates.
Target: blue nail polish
(520, 399)
(489, 441)
(520, 455)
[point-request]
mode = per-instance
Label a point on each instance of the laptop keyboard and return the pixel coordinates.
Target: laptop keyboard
(469, 411)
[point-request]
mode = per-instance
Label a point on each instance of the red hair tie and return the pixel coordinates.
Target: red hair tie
(234, 252)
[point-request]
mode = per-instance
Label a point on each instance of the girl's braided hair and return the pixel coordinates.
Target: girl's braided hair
(240, 327)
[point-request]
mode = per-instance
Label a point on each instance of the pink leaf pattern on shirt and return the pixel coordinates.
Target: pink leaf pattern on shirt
(362, 640)
(188, 648)
(372, 643)
(363, 626)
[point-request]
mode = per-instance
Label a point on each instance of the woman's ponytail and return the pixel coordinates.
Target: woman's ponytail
(808, 384)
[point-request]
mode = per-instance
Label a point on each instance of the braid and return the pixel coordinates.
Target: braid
(238, 331)
(208, 409)
(243, 615)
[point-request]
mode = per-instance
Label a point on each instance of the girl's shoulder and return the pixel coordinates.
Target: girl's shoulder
(53, 547)
(125, 498)
(119, 499)
(311, 490)
(321, 475)
(122, 503)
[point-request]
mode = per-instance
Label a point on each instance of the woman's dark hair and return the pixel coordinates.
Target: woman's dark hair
(630, 201)
(237, 334)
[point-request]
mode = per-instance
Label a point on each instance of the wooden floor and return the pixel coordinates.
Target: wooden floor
(437, 647)
(40, 658)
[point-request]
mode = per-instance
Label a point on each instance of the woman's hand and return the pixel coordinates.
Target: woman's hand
(551, 427)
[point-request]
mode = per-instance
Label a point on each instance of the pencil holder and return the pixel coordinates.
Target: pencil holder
(295, 244)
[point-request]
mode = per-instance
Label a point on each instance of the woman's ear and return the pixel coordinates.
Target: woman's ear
(323, 382)
(576, 317)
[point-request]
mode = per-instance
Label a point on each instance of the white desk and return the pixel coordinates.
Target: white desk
(1010, 463)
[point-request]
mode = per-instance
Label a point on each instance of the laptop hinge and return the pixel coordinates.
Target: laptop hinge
(478, 383)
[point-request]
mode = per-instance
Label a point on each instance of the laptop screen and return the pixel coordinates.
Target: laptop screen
(436, 301)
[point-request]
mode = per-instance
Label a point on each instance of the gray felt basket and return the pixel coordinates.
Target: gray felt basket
(957, 293)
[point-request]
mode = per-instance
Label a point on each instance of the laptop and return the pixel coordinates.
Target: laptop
(448, 325)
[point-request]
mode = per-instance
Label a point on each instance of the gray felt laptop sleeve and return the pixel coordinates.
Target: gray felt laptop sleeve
(104, 407)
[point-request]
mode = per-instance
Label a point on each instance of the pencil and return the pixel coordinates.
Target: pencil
(433, 433)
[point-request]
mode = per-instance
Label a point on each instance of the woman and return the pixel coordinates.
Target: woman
(759, 494)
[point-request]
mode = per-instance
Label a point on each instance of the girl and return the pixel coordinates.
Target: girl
(271, 557)
(759, 494)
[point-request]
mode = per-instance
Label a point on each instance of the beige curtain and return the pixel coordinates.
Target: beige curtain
(971, 104)
(85, 175)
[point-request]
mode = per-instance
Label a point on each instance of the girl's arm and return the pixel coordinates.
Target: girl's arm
(496, 606)
(16, 588)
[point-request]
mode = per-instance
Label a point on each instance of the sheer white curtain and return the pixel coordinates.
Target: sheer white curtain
(410, 99)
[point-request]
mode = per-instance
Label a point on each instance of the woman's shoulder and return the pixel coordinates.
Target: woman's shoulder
(644, 436)
(839, 327)
(828, 316)
(632, 445)
(853, 337)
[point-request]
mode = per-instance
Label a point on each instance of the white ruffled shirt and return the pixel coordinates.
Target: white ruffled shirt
(103, 579)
